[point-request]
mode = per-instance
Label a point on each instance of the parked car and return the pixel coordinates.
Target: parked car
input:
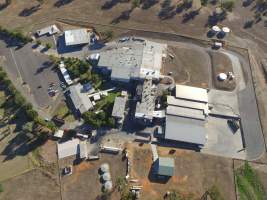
(233, 124)
(67, 170)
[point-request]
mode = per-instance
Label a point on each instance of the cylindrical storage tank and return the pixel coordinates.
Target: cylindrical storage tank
(106, 176)
(108, 185)
(104, 168)
(216, 29)
(222, 77)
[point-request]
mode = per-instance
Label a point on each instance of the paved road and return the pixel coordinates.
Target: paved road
(35, 71)
(250, 120)
(243, 102)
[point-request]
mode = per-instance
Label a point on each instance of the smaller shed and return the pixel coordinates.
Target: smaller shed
(119, 107)
(77, 36)
(68, 148)
(59, 134)
(165, 166)
(50, 30)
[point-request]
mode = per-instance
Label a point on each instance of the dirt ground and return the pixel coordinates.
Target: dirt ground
(194, 173)
(221, 64)
(31, 186)
(84, 183)
(188, 66)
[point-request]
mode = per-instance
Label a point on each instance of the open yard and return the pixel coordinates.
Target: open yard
(31, 186)
(221, 64)
(188, 65)
(84, 183)
(194, 174)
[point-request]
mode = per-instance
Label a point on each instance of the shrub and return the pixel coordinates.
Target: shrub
(228, 5)
(48, 45)
(1, 188)
(38, 42)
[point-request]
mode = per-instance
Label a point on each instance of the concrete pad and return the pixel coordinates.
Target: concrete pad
(222, 141)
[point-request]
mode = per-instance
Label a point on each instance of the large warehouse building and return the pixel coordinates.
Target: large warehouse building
(133, 59)
(186, 115)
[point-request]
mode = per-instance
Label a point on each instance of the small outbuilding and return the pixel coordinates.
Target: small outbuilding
(50, 30)
(165, 166)
(77, 36)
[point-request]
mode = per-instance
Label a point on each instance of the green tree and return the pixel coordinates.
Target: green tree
(38, 42)
(48, 45)
(31, 114)
(228, 5)
(136, 3)
(1, 188)
(28, 127)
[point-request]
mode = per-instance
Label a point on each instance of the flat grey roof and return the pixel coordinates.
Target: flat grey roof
(185, 130)
(77, 36)
(165, 166)
(119, 107)
(191, 93)
(133, 59)
(68, 148)
(80, 99)
(124, 62)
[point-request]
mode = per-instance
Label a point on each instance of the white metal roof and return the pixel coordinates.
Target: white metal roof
(185, 112)
(65, 73)
(53, 29)
(80, 99)
(83, 149)
(171, 100)
(59, 133)
(226, 29)
(191, 93)
(185, 130)
(77, 36)
(68, 148)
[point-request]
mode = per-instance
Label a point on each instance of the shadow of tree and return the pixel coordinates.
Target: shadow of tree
(60, 3)
(190, 16)
(21, 145)
(125, 15)
(149, 3)
(167, 10)
(29, 11)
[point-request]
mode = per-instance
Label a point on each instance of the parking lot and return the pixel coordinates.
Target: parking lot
(33, 74)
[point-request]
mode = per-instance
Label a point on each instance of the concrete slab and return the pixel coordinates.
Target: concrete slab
(222, 141)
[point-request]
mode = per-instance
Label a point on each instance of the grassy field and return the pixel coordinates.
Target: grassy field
(63, 112)
(14, 159)
(249, 184)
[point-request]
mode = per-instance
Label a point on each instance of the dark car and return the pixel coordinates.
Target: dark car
(233, 124)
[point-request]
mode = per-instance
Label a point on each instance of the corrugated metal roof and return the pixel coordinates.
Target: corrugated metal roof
(68, 148)
(77, 36)
(191, 93)
(83, 149)
(171, 100)
(185, 112)
(80, 100)
(119, 107)
(165, 166)
(185, 130)
(48, 30)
